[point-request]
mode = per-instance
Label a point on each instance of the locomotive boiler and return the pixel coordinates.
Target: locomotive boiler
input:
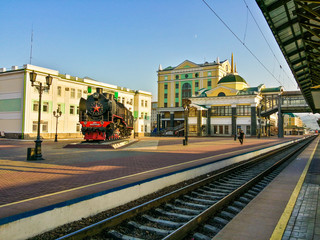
(104, 118)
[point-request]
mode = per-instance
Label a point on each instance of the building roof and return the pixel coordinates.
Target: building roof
(275, 89)
(290, 114)
(169, 68)
(231, 78)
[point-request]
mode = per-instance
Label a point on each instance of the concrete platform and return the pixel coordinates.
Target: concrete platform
(102, 144)
(267, 216)
(69, 176)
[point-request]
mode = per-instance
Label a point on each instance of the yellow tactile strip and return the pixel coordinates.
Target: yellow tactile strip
(282, 223)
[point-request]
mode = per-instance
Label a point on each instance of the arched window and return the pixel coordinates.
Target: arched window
(221, 94)
(186, 90)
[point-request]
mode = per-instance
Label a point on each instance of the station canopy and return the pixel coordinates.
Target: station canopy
(295, 25)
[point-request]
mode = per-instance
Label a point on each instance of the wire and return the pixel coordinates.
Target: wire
(241, 41)
(245, 31)
(248, 9)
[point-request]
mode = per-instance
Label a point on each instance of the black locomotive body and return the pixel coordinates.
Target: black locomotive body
(104, 118)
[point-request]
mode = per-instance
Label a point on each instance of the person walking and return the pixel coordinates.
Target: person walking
(241, 137)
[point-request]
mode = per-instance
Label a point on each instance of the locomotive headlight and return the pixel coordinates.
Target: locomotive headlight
(102, 122)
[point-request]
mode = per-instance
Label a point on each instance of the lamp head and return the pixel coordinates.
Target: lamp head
(49, 80)
(33, 77)
(54, 113)
(60, 113)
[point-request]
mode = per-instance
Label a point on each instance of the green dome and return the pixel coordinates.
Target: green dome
(232, 78)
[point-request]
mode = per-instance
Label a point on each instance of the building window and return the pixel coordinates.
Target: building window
(220, 129)
(177, 85)
(71, 110)
(221, 94)
(59, 107)
(166, 95)
(78, 127)
(35, 106)
(186, 75)
(165, 77)
(146, 103)
(197, 75)
(177, 95)
(177, 76)
(123, 100)
(34, 126)
(141, 128)
(186, 90)
(215, 129)
(226, 67)
(45, 126)
(209, 73)
(142, 103)
(146, 128)
(176, 104)
(59, 90)
(45, 107)
(77, 110)
(79, 93)
(196, 84)
(166, 86)
(165, 104)
(141, 116)
(248, 129)
(145, 115)
(226, 129)
(73, 93)
(243, 110)
(209, 83)
(221, 111)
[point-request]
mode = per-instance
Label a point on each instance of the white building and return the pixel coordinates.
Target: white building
(19, 103)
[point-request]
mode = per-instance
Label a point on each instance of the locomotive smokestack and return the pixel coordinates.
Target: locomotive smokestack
(99, 90)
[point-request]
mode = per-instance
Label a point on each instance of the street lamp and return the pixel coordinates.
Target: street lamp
(259, 120)
(186, 106)
(40, 88)
(57, 115)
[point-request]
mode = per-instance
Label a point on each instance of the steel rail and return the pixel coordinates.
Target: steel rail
(183, 231)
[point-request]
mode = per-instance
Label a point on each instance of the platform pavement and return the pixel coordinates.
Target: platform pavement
(276, 213)
(70, 173)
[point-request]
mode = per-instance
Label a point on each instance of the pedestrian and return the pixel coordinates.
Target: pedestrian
(241, 136)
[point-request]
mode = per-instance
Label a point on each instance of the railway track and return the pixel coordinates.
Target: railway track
(200, 210)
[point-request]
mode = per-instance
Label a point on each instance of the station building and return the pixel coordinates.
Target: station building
(293, 124)
(19, 103)
(222, 102)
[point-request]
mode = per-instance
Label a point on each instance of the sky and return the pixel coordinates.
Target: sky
(122, 42)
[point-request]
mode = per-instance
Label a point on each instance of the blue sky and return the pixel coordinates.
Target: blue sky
(123, 42)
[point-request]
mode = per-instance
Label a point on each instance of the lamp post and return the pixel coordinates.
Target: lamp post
(259, 120)
(57, 115)
(186, 105)
(40, 88)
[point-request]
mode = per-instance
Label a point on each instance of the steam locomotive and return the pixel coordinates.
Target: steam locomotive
(104, 118)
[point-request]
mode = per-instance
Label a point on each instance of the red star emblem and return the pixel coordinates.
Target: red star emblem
(96, 108)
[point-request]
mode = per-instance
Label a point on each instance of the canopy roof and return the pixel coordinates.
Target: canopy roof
(295, 25)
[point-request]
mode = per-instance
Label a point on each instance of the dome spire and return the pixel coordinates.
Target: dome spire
(232, 70)
(160, 67)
